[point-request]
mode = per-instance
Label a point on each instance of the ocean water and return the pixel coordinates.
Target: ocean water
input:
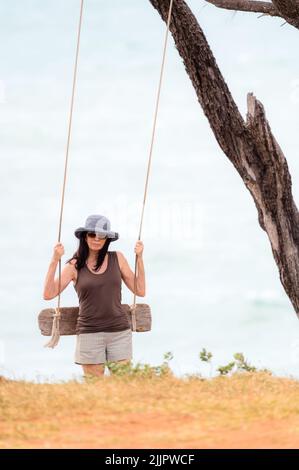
(210, 275)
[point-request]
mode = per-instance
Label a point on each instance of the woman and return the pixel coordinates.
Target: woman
(103, 330)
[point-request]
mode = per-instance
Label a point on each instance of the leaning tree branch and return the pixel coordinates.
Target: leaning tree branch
(252, 6)
(250, 146)
(286, 9)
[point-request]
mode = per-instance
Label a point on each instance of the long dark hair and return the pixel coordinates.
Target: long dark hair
(82, 252)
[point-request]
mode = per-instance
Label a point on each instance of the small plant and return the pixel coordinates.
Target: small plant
(141, 370)
(205, 356)
(127, 369)
(238, 365)
(224, 370)
(121, 368)
(164, 368)
(242, 364)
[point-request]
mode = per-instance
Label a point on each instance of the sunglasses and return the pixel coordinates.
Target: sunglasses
(98, 235)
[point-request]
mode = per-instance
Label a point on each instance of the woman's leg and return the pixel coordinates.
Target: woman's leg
(94, 369)
(90, 349)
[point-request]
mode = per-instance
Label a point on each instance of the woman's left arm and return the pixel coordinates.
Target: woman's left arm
(127, 273)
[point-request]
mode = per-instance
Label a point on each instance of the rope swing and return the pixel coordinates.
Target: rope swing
(133, 311)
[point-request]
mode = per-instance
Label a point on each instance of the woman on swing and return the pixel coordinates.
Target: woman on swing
(103, 330)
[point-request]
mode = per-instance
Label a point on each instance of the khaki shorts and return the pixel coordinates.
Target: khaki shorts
(103, 346)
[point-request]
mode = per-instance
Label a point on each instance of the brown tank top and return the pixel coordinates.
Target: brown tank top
(100, 299)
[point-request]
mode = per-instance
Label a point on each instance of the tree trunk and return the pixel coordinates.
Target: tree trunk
(250, 145)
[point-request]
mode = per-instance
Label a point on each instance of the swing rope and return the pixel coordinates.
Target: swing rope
(133, 307)
(55, 335)
(55, 327)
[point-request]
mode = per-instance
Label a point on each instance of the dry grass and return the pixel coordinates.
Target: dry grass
(252, 409)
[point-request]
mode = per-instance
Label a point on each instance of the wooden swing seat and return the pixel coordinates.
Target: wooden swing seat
(69, 317)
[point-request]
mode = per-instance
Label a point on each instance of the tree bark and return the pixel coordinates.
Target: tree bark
(253, 6)
(250, 146)
(286, 9)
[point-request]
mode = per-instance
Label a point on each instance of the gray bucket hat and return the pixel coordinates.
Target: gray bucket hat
(99, 224)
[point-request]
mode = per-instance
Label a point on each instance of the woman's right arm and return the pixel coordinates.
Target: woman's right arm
(51, 285)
